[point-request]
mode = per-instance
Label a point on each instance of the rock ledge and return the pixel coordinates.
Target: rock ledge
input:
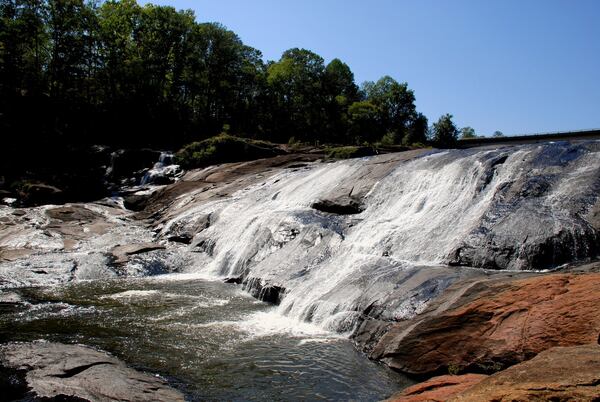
(41, 370)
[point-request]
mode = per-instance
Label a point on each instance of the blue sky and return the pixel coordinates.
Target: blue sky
(518, 66)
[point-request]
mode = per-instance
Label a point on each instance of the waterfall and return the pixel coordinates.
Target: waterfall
(415, 219)
(162, 169)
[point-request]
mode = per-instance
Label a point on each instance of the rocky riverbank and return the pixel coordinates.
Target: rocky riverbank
(493, 328)
(469, 262)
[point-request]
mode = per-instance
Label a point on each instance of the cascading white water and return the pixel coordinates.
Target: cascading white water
(416, 215)
(164, 167)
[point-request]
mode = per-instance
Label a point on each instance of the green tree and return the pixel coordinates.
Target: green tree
(23, 60)
(223, 80)
(296, 82)
(444, 132)
(23, 43)
(340, 92)
(364, 123)
(118, 20)
(339, 81)
(467, 133)
(395, 103)
(72, 26)
(498, 134)
(418, 131)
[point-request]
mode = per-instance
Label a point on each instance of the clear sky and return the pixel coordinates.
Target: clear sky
(518, 66)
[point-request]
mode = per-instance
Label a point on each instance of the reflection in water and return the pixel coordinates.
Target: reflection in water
(212, 340)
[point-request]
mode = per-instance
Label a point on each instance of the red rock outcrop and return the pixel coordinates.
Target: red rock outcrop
(485, 326)
(558, 374)
(438, 389)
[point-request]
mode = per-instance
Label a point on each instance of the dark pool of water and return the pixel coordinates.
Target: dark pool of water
(210, 339)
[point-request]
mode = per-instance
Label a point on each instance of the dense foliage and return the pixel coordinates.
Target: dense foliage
(79, 78)
(117, 73)
(223, 148)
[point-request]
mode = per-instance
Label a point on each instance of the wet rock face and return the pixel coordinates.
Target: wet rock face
(40, 370)
(495, 323)
(185, 231)
(545, 215)
(266, 292)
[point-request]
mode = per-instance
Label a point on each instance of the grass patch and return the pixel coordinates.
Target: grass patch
(224, 148)
(348, 152)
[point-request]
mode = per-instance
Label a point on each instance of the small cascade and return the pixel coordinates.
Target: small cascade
(163, 172)
(393, 254)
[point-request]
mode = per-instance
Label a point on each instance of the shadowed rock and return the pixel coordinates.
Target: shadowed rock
(42, 370)
(340, 206)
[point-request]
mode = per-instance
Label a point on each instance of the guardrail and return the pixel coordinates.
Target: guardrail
(532, 138)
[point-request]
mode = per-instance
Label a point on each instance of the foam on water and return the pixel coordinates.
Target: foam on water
(133, 294)
(271, 323)
(334, 266)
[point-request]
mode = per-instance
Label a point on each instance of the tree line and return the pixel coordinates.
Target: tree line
(118, 73)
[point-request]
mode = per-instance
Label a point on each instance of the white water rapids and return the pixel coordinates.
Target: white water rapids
(333, 267)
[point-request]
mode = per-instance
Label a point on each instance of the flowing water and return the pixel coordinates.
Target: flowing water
(415, 217)
(216, 342)
(212, 340)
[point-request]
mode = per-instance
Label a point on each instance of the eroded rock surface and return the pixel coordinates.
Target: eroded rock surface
(541, 217)
(488, 325)
(558, 374)
(41, 370)
(438, 389)
(52, 245)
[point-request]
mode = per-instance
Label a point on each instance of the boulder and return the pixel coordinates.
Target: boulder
(136, 202)
(486, 325)
(184, 231)
(121, 253)
(73, 213)
(263, 290)
(40, 194)
(43, 370)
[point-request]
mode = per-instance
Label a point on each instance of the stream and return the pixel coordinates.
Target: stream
(209, 339)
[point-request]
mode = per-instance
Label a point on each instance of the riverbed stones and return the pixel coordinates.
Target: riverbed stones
(40, 370)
